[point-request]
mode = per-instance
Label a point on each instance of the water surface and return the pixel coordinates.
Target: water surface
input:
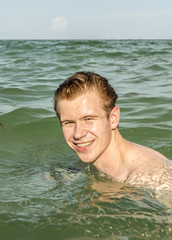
(46, 192)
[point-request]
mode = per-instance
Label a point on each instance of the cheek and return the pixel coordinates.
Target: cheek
(66, 134)
(94, 129)
(101, 130)
(105, 133)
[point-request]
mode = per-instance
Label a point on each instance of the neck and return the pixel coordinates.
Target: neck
(112, 162)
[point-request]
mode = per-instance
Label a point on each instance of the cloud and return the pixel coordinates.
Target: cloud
(59, 24)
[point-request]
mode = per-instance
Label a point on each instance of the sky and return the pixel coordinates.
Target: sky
(85, 19)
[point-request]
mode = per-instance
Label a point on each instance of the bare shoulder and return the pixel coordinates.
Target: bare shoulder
(157, 175)
(150, 169)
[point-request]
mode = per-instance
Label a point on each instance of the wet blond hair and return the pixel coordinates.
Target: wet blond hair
(82, 82)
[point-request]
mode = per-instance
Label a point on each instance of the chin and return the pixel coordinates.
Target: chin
(85, 159)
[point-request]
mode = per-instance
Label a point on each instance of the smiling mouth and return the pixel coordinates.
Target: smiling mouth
(83, 145)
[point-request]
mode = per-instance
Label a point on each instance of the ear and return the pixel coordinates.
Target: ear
(115, 117)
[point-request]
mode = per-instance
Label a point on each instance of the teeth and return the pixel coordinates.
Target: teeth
(84, 144)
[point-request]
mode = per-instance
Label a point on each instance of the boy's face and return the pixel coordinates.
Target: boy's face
(85, 125)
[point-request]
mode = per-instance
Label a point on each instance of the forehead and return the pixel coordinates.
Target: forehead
(85, 104)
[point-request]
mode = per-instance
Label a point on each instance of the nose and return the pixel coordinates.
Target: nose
(79, 131)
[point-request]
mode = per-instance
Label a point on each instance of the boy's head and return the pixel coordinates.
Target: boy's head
(82, 82)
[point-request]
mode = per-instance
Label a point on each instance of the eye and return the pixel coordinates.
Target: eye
(89, 119)
(67, 123)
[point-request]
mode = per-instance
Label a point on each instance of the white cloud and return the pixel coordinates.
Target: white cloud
(59, 23)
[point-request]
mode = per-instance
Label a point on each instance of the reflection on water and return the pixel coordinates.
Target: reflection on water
(46, 193)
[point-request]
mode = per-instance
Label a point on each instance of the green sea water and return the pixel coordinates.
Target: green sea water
(46, 192)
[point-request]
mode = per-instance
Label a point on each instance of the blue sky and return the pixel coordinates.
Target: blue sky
(85, 19)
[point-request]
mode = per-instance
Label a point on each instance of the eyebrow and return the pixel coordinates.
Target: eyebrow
(90, 116)
(86, 116)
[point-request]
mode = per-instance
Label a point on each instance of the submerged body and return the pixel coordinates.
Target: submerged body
(94, 136)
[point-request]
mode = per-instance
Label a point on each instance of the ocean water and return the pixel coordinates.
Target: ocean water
(46, 192)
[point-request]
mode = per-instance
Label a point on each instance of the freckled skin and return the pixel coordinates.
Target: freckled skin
(96, 139)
